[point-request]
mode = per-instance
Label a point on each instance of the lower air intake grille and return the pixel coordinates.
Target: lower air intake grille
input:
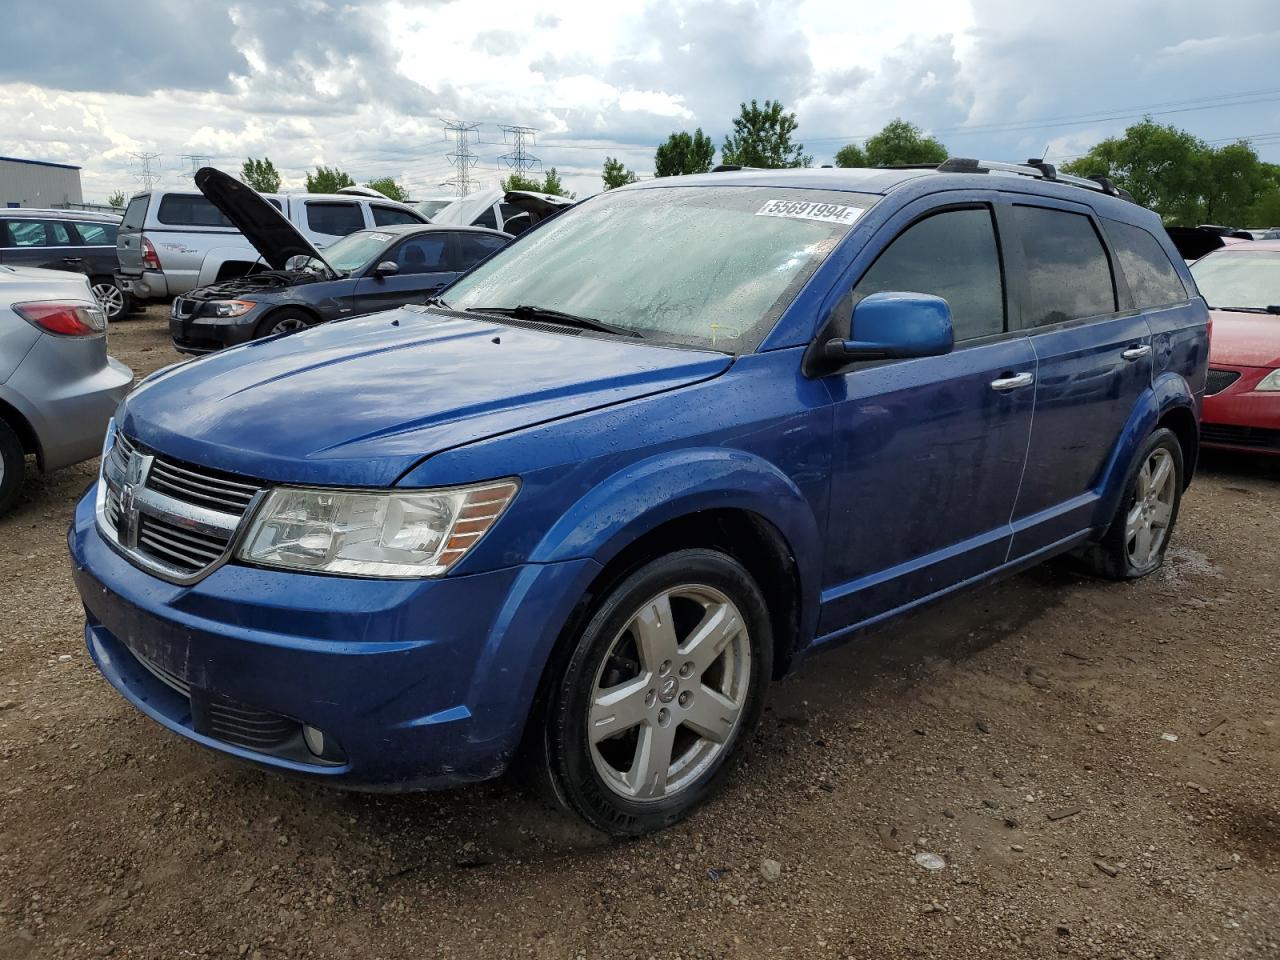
(1255, 437)
(1219, 380)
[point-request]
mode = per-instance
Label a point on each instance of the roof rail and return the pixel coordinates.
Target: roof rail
(1033, 168)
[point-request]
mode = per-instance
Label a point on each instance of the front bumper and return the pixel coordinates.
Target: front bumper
(147, 285)
(1241, 417)
(422, 684)
(197, 335)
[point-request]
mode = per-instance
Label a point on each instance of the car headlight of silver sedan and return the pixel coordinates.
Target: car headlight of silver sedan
(391, 533)
(1270, 382)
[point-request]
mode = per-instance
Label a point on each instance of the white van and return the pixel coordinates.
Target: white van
(172, 241)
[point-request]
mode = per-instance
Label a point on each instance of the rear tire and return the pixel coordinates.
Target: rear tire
(12, 467)
(115, 303)
(283, 321)
(1135, 543)
(658, 696)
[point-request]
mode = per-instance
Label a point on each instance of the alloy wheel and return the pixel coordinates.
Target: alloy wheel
(110, 298)
(669, 694)
(288, 325)
(1147, 522)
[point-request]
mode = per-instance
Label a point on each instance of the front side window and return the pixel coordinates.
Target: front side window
(710, 267)
(1246, 280)
(952, 255)
(335, 219)
(189, 210)
(389, 216)
(1151, 277)
(1068, 276)
(423, 254)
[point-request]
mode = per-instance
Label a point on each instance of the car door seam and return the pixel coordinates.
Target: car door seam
(1026, 452)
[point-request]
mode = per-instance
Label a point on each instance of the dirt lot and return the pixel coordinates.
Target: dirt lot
(1098, 766)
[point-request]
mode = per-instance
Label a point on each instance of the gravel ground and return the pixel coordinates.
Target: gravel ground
(1095, 768)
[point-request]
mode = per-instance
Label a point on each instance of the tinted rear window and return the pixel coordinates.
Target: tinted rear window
(1067, 273)
(135, 213)
(190, 210)
(1152, 279)
(388, 216)
(474, 247)
(335, 219)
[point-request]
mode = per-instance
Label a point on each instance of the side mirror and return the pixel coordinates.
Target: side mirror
(895, 326)
(386, 268)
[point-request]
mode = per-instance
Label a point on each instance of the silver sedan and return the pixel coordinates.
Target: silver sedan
(58, 387)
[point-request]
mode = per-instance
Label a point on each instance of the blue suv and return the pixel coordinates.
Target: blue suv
(581, 510)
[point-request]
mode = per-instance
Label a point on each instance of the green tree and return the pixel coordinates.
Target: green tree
(762, 138)
(851, 155)
(683, 154)
(389, 188)
(903, 142)
(1265, 211)
(262, 175)
(116, 199)
(518, 181)
(328, 180)
(1181, 177)
(616, 175)
(551, 184)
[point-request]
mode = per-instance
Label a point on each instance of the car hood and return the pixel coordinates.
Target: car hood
(269, 230)
(1244, 339)
(359, 402)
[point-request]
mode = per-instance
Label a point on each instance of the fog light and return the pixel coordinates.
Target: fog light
(314, 739)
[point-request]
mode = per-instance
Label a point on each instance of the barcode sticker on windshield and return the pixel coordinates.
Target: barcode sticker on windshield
(810, 210)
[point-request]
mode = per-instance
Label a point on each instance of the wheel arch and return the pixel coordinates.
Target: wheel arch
(270, 315)
(20, 425)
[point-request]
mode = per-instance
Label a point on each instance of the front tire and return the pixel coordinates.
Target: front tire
(283, 321)
(1135, 543)
(659, 695)
(12, 467)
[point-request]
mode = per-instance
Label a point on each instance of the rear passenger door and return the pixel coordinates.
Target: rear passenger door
(1093, 358)
(941, 439)
(97, 244)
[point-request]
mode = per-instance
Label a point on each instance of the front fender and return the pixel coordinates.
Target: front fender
(647, 494)
(1168, 392)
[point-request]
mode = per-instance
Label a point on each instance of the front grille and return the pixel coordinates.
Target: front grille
(1219, 380)
(173, 518)
(167, 677)
(1230, 435)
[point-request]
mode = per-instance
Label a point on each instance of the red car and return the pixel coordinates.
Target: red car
(1241, 284)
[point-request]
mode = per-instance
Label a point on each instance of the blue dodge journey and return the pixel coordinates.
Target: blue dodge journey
(581, 510)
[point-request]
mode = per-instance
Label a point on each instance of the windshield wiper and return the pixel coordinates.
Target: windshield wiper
(1273, 309)
(526, 311)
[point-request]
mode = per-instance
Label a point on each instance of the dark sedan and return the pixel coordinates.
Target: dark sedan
(364, 272)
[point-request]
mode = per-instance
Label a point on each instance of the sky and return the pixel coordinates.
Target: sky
(367, 86)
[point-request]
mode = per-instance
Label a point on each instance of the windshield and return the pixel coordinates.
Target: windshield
(1248, 279)
(355, 250)
(702, 266)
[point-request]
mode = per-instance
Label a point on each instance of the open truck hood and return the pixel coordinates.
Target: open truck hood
(269, 230)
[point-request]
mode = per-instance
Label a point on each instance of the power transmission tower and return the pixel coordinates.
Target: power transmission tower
(146, 176)
(196, 161)
(463, 134)
(519, 160)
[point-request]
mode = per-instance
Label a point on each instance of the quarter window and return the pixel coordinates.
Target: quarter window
(1067, 273)
(1152, 279)
(952, 255)
(96, 234)
(335, 219)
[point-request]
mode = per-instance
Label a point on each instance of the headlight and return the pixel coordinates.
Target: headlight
(1270, 382)
(393, 533)
(230, 308)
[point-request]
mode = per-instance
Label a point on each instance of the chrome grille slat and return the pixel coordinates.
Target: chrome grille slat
(180, 520)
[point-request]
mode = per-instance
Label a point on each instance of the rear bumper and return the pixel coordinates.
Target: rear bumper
(422, 684)
(1240, 417)
(144, 285)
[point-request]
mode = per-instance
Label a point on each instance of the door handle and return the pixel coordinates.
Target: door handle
(1137, 353)
(73, 259)
(1012, 382)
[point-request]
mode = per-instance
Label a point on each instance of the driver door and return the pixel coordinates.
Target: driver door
(927, 453)
(424, 265)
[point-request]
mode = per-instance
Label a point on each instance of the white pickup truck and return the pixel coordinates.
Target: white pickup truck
(173, 241)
